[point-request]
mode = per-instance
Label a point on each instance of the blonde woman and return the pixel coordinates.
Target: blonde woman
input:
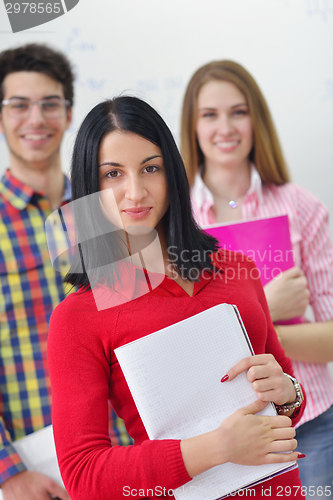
(236, 170)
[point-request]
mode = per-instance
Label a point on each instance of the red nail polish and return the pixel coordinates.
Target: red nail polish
(225, 378)
(301, 455)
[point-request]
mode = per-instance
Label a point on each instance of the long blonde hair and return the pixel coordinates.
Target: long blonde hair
(266, 153)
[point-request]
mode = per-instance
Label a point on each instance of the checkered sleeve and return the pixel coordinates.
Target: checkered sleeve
(10, 462)
(117, 430)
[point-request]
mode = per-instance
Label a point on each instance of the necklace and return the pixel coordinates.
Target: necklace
(233, 204)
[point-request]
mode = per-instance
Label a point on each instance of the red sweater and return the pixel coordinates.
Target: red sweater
(85, 373)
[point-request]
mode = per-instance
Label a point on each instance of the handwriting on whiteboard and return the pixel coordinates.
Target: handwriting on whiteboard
(74, 42)
(322, 8)
(315, 8)
(165, 94)
(91, 83)
(328, 95)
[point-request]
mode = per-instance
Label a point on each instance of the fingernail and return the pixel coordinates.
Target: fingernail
(301, 455)
(225, 378)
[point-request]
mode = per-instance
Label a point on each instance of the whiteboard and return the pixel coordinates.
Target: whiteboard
(151, 48)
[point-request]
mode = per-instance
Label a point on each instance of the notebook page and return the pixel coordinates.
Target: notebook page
(174, 377)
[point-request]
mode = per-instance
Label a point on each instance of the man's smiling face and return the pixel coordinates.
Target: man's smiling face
(34, 141)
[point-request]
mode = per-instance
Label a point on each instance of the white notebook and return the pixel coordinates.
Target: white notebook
(174, 376)
(37, 452)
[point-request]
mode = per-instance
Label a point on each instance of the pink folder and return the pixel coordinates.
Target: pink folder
(266, 241)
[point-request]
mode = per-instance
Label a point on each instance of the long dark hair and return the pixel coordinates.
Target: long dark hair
(127, 113)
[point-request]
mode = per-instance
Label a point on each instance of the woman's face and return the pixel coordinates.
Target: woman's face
(132, 181)
(224, 126)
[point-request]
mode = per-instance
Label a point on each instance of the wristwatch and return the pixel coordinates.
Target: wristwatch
(299, 396)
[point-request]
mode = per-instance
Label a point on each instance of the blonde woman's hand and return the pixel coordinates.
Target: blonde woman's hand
(287, 295)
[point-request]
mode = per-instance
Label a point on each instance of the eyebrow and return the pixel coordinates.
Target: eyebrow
(240, 104)
(28, 98)
(150, 158)
(114, 164)
(232, 107)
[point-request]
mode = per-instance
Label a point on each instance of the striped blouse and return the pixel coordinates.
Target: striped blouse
(313, 251)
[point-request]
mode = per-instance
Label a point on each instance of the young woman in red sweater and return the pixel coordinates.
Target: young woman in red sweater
(126, 158)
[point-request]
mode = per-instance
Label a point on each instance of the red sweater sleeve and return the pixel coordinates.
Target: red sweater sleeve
(273, 344)
(80, 374)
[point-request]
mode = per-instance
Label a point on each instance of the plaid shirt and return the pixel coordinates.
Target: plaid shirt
(29, 290)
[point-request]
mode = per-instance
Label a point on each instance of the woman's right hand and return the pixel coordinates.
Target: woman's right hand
(242, 438)
(287, 295)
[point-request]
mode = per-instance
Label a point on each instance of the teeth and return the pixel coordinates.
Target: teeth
(35, 137)
(227, 144)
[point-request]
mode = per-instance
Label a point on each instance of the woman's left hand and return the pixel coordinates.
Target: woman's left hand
(267, 378)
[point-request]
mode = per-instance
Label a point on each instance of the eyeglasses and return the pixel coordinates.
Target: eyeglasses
(50, 108)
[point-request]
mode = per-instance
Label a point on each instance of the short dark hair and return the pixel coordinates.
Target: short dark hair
(39, 58)
(127, 113)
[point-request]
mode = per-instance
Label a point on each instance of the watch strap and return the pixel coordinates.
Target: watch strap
(299, 396)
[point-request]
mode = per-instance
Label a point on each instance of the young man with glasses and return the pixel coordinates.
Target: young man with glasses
(36, 98)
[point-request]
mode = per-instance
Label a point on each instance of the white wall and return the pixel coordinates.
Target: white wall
(152, 47)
